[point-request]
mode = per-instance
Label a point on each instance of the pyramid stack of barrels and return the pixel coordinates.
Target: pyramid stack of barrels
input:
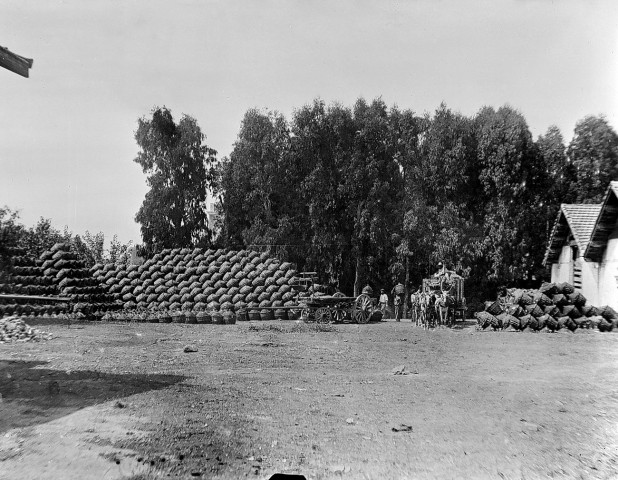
(200, 286)
(553, 307)
(176, 285)
(74, 281)
(25, 276)
(57, 273)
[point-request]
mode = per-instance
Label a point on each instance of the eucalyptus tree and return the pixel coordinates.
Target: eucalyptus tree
(178, 165)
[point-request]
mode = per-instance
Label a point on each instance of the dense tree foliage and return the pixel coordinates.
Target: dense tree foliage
(593, 153)
(375, 195)
(177, 163)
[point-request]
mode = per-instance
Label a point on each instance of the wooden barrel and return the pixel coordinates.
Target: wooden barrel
(494, 308)
(190, 317)
(266, 314)
(178, 317)
(548, 289)
(552, 310)
(565, 288)
(572, 311)
(229, 318)
(281, 314)
(534, 310)
(203, 317)
(217, 318)
(254, 315)
(241, 315)
(577, 299)
(608, 313)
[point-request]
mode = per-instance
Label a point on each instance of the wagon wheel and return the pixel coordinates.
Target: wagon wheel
(307, 315)
(339, 313)
(323, 315)
(362, 309)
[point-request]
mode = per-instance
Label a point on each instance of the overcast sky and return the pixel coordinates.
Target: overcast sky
(66, 133)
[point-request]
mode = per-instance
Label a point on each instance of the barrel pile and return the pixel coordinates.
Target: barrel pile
(14, 329)
(25, 276)
(178, 284)
(175, 284)
(553, 307)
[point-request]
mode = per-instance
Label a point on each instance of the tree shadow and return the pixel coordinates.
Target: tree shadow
(461, 325)
(32, 395)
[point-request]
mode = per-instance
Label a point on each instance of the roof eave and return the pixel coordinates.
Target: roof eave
(607, 215)
(550, 254)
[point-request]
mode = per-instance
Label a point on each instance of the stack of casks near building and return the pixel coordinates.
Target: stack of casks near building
(200, 286)
(552, 307)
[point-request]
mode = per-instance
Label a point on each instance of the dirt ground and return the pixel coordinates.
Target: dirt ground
(111, 401)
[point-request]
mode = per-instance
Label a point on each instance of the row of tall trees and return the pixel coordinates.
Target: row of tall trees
(371, 194)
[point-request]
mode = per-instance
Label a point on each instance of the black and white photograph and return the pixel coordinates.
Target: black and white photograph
(308, 240)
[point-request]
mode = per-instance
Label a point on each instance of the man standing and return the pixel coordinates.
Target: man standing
(398, 292)
(443, 275)
(383, 302)
(441, 270)
(398, 306)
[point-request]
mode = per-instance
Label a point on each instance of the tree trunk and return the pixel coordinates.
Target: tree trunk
(406, 284)
(359, 275)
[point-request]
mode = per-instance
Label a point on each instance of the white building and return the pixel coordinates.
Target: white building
(583, 248)
(211, 213)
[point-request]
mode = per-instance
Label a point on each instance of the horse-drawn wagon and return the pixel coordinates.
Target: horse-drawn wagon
(337, 308)
(444, 299)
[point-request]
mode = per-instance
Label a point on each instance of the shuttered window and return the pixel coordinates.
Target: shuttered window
(577, 269)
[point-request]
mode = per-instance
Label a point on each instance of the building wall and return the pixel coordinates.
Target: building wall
(563, 272)
(590, 281)
(608, 272)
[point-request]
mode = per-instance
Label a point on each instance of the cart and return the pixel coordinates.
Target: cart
(338, 308)
(453, 286)
(313, 306)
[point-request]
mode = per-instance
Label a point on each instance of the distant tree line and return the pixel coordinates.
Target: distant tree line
(375, 195)
(41, 237)
(363, 195)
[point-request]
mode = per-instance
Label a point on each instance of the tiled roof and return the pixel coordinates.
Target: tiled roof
(578, 219)
(581, 218)
(604, 225)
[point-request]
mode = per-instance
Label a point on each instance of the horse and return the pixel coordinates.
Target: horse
(444, 304)
(427, 305)
(415, 306)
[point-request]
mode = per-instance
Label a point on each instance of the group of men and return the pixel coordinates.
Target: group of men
(398, 290)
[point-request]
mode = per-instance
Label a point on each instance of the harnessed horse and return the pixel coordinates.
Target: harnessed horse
(444, 304)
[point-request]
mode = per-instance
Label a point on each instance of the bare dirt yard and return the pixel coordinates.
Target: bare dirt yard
(111, 401)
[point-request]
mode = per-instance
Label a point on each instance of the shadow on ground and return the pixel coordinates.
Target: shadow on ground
(32, 395)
